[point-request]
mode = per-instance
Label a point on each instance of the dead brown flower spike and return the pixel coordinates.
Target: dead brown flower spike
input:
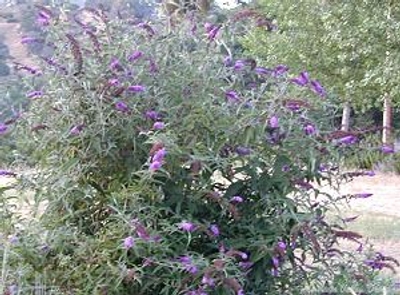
(76, 52)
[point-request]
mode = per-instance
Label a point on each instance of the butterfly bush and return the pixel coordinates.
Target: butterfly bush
(172, 165)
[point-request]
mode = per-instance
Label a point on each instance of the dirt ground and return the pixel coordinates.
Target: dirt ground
(383, 205)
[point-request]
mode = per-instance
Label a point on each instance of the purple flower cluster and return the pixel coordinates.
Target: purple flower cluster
(304, 80)
(236, 199)
(43, 18)
(152, 115)
(136, 88)
(187, 226)
(243, 151)
(386, 149)
(141, 233)
(348, 140)
(122, 107)
(280, 70)
(34, 94)
(129, 242)
(309, 129)
(31, 70)
(158, 125)
(232, 96)
(362, 196)
(115, 65)
(274, 122)
(214, 230)
(77, 129)
(188, 265)
(158, 159)
(212, 31)
(375, 264)
(7, 173)
(29, 40)
(135, 56)
(3, 128)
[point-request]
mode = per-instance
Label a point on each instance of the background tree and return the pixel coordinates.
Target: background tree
(349, 46)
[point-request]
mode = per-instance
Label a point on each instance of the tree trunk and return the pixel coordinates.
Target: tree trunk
(346, 117)
(387, 122)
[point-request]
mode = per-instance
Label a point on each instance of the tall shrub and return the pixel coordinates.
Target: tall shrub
(169, 166)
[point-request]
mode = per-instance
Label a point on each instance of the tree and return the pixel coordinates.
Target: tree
(349, 45)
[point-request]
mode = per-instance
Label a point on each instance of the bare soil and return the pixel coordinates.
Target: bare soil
(384, 205)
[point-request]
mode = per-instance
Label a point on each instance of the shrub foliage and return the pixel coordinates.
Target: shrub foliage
(170, 166)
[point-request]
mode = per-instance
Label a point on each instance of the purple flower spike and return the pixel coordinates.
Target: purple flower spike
(43, 18)
(122, 107)
(375, 264)
(228, 61)
(113, 82)
(28, 40)
(208, 27)
(129, 242)
(7, 173)
(263, 71)
(206, 280)
(188, 265)
(135, 56)
(349, 139)
(136, 88)
(240, 292)
(293, 106)
(309, 129)
(153, 68)
(236, 199)
(187, 226)
(156, 165)
(115, 65)
(280, 70)
(212, 34)
(239, 65)
(34, 94)
(302, 80)
(387, 149)
(274, 122)
(282, 245)
(275, 262)
(317, 88)
(185, 260)
(232, 96)
(243, 151)
(243, 255)
(152, 115)
(159, 155)
(3, 129)
(191, 269)
(362, 196)
(214, 230)
(77, 129)
(158, 125)
(369, 173)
